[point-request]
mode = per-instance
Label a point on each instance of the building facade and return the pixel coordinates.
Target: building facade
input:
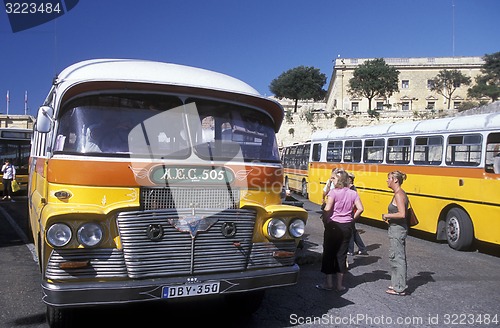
(415, 80)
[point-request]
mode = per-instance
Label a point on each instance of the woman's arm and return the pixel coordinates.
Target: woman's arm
(359, 208)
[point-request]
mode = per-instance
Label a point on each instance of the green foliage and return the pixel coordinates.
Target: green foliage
(299, 83)
(374, 78)
(488, 84)
(373, 113)
(308, 116)
(467, 105)
(447, 81)
(340, 122)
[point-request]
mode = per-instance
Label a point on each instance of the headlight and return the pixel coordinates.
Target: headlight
(59, 234)
(276, 228)
(90, 234)
(296, 228)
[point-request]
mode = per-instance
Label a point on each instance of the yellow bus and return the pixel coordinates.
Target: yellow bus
(295, 159)
(154, 181)
(15, 145)
(452, 164)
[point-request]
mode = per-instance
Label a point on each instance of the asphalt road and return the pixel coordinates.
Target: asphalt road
(447, 288)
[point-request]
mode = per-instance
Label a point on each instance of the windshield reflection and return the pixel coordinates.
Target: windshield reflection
(154, 126)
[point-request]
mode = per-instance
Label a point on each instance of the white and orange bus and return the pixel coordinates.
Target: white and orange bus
(452, 164)
(154, 181)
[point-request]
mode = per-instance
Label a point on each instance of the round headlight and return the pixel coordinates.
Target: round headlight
(59, 234)
(276, 228)
(90, 234)
(296, 228)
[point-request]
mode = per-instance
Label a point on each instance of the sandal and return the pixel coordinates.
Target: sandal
(321, 287)
(393, 292)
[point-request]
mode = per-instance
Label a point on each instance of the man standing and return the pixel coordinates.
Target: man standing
(9, 174)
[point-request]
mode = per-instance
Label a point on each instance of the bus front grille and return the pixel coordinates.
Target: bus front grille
(185, 241)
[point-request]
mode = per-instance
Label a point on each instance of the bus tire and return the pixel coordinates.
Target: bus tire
(459, 229)
(303, 190)
(59, 318)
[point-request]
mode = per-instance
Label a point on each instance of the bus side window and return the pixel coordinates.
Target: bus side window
(316, 153)
(492, 163)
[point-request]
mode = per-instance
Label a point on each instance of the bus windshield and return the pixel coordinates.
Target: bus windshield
(159, 126)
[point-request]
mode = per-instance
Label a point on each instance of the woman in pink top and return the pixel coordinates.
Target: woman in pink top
(338, 229)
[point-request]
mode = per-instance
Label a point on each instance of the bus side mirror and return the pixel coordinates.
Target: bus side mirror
(44, 119)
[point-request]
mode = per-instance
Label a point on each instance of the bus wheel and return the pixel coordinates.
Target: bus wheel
(303, 191)
(459, 230)
(59, 318)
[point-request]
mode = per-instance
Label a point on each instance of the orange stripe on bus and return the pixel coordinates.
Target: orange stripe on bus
(104, 173)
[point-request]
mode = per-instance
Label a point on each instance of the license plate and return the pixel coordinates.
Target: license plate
(187, 290)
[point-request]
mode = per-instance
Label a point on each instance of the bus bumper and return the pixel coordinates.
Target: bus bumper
(115, 292)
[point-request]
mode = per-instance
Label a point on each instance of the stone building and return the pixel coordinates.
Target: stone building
(414, 101)
(415, 79)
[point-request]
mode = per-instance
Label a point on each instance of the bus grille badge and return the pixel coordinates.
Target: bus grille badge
(154, 232)
(228, 229)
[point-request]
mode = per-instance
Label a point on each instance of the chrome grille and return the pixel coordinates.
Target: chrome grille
(162, 198)
(177, 252)
(103, 263)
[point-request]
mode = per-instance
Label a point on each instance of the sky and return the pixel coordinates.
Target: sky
(254, 41)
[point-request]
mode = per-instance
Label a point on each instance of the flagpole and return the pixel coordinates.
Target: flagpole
(25, 102)
(8, 100)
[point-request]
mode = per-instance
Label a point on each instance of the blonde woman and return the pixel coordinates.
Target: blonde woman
(338, 230)
(398, 230)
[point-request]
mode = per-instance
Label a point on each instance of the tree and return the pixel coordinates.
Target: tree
(447, 81)
(488, 84)
(340, 122)
(299, 83)
(374, 78)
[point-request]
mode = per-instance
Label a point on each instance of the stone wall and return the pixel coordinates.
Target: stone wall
(322, 119)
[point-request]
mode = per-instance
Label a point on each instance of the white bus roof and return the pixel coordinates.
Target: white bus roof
(449, 124)
(136, 70)
(169, 74)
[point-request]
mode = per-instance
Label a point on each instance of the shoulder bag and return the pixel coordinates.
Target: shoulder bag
(412, 217)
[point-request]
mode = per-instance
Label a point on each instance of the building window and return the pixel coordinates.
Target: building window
(430, 84)
(431, 105)
(380, 105)
(355, 106)
(456, 104)
(405, 84)
(405, 105)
